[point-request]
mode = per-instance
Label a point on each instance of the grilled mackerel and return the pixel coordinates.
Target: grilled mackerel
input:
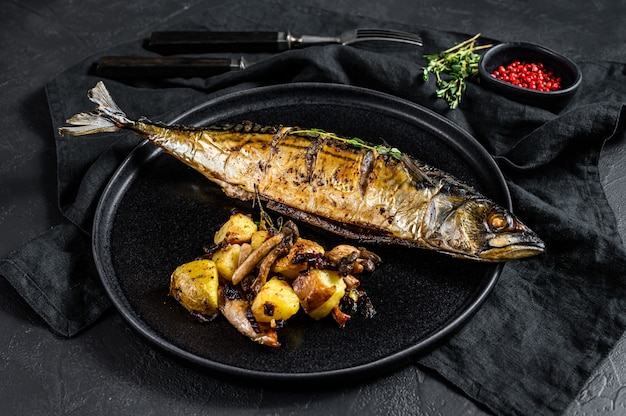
(360, 191)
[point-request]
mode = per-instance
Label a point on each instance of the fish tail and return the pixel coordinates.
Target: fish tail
(107, 117)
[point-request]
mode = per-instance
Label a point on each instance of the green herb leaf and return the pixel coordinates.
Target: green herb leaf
(354, 141)
(458, 64)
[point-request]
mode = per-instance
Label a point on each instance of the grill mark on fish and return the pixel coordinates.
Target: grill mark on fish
(276, 138)
(310, 157)
(367, 165)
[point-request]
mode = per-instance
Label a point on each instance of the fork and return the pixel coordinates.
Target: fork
(177, 42)
(351, 37)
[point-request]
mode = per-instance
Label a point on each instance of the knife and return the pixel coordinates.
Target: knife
(178, 42)
(165, 67)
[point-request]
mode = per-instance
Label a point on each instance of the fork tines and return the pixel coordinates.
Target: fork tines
(388, 35)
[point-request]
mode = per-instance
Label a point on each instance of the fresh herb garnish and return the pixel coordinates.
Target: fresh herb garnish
(354, 141)
(265, 222)
(459, 63)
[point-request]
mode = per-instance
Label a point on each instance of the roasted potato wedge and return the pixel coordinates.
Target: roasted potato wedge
(285, 265)
(195, 286)
(258, 237)
(238, 229)
(319, 291)
(227, 260)
(275, 301)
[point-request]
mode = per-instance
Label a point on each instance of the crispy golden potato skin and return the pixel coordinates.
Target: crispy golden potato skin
(258, 238)
(319, 291)
(195, 285)
(227, 260)
(285, 266)
(275, 301)
(238, 229)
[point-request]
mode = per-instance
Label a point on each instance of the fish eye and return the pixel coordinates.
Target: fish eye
(499, 220)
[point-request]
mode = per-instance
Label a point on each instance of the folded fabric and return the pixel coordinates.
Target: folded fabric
(549, 321)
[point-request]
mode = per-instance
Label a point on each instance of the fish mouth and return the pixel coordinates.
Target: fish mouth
(513, 246)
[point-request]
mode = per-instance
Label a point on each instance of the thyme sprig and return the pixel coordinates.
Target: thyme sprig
(265, 222)
(354, 141)
(459, 63)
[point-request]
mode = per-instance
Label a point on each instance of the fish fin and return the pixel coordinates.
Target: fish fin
(416, 173)
(107, 117)
(352, 232)
(88, 123)
(106, 105)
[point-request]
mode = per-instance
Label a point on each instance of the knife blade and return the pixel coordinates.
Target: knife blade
(165, 67)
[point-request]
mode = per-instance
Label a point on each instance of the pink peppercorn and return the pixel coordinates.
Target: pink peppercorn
(531, 75)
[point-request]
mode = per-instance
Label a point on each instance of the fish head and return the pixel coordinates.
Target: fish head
(479, 229)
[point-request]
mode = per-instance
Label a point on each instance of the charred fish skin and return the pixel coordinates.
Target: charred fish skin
(347, 189)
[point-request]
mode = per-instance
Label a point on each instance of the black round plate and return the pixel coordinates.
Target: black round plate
(156, 213)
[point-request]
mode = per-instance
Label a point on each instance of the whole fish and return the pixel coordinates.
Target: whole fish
(346, 186)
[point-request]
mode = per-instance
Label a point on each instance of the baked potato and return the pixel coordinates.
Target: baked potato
(285, 265)
(258, 237)
(275, 301)
(195, 286)
(227, 260)
(319, 291)
(238, 229)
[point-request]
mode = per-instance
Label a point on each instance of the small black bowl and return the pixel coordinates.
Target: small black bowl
(506, 53)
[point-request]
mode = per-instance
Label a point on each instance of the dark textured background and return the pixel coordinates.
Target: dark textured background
(43, 374)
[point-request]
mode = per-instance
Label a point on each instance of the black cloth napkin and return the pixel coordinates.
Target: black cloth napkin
(550, 320)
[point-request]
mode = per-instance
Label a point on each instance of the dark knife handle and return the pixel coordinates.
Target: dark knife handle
(176, 42)
(164, 67)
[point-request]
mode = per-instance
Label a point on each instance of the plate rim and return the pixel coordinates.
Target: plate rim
(110, 199)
